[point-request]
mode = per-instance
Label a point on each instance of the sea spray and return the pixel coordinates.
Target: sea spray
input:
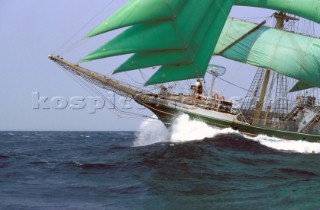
(150, 132)
(182, 130)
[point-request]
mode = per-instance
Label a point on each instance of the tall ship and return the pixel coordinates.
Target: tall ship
(178, 38)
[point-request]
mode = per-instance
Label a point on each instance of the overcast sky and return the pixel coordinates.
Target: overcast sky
(30, 30)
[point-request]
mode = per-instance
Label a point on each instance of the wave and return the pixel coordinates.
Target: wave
(184, 130)
(297, 146)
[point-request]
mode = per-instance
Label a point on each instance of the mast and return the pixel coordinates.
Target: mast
(259, 104)
(280, 19)
(210, 92)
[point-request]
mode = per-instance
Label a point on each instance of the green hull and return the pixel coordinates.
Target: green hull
(167, 115)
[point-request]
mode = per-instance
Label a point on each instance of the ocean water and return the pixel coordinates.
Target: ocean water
(192, 166)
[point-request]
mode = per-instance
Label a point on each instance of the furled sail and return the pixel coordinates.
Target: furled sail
(293, 55)
(178, 35)
(308, 9)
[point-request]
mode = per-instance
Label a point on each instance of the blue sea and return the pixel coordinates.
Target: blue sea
(157, 169)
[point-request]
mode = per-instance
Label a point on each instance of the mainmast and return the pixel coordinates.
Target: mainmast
(280, 19)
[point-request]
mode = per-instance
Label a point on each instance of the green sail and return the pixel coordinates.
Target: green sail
(294, 55)
(144, 60)
(139, 11)
(198, 68)
(140, 38)
(182, 45)
(300, 86)
(308, 9)
(158, 36)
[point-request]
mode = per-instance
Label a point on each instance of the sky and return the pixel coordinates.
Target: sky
(30, 30)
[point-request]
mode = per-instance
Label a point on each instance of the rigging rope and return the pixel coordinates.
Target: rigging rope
(76, 80)
(233, 84)
(92, 89)
(75, 34)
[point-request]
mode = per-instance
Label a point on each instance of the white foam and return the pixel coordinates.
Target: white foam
(183, 130)
(299, 146)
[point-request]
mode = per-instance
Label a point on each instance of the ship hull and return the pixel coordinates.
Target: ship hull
(168, 113)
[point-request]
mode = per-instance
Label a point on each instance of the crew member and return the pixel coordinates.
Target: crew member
(199, 89)
(216, 96)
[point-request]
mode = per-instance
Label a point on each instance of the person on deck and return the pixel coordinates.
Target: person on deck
(199, 89)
